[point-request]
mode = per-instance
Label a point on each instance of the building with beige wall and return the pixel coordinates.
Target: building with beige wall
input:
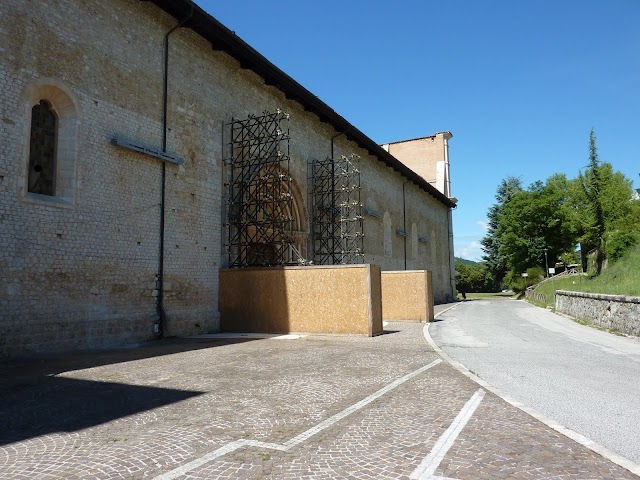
(427, 156)
(114, 172)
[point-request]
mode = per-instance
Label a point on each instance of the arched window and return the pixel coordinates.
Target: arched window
(50, 143)
(42, 149)
(388, 235)
(414, 242)
(273, 217)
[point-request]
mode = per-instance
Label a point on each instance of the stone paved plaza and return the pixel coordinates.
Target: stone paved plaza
(301, 407)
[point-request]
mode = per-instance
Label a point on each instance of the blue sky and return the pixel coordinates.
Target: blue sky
(518, 83)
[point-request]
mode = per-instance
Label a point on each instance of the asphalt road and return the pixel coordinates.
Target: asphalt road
(583, 378)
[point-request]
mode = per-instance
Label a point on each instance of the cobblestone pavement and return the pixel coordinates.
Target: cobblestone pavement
(311, 407)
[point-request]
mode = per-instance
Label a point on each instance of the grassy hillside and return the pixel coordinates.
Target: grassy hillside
(463, 261)
(621, 278)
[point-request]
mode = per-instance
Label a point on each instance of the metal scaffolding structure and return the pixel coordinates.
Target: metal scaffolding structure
(337, 226)
(259, 192)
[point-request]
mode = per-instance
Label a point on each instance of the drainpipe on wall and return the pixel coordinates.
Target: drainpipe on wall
(160, 326)
(333, 139)
(404, 223)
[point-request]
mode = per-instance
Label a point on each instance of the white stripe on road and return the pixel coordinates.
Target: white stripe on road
(429, 465)
(289, 444)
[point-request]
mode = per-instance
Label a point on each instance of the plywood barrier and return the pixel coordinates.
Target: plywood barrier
(407, 295)
(317, 299)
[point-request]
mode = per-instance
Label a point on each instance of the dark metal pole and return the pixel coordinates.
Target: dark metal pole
(165, 95)
(404, 223)
(546, 262)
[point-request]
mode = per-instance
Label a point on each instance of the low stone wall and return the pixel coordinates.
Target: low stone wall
(317, 299)
(615, 312)
(407, 295)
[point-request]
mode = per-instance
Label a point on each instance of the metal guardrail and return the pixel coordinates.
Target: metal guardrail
(535, 296)
(540, 297)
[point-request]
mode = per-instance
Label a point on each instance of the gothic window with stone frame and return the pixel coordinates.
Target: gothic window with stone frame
(42, 149)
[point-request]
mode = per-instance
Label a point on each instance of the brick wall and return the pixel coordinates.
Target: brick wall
(421, 155)
(79, 271)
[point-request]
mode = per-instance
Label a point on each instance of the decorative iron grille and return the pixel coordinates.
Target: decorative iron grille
(337, 226)
(259, 192)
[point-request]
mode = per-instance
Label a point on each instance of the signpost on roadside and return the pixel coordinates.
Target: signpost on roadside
(552, 272)
(546, 262)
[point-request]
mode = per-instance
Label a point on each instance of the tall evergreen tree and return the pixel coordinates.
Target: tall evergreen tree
(592, 187)
(496, 263)
(597, 209)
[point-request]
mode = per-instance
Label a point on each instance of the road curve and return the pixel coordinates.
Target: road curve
(582, 378)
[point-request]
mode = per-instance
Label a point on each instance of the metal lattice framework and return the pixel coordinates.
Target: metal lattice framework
(259, 200)
(337, 231)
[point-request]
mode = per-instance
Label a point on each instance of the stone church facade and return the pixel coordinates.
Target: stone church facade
(114, 172)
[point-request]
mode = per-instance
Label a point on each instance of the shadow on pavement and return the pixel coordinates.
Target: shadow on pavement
(24, 371)
(67, 405)
(34, 401)
(389, 332)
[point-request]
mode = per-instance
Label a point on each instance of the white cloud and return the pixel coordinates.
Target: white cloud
(469, 250)
(484, 225)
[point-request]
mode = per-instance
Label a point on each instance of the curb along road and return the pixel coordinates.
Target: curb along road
(582, 440)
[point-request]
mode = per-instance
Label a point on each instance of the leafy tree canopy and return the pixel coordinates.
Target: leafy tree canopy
(597, 209)
(534, 220)
(496, 262)
(473, 278)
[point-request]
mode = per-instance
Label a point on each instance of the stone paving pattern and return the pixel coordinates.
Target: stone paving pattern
(143, 412)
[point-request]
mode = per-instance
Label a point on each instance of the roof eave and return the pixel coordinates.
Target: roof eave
(221, 38)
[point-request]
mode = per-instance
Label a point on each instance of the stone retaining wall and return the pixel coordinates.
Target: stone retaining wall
(616, 312)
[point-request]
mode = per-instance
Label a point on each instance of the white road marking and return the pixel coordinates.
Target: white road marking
(430, 464)
(575, 436)
(298, 439)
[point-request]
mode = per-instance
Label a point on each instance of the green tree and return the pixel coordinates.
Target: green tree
(473, 278)
(496, 263)
(536, 219)
(592, 187)
(603, 208)
(624, 232)
(596, 209)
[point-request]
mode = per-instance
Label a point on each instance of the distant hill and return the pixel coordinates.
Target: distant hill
(464, 261)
